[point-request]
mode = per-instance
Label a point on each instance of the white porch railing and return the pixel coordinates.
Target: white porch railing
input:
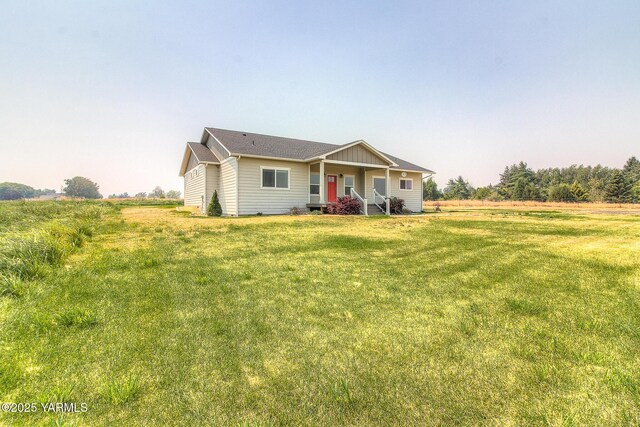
(377, 195)
(355, 195)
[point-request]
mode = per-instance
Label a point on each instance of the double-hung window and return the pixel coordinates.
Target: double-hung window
(406, 184)
(348, 184)
(314, 184)
(275, 178)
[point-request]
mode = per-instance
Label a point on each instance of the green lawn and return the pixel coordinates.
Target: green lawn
(152, 317)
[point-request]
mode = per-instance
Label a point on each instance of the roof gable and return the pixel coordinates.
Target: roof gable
(359, 152)
(238, 143)
(196, 153)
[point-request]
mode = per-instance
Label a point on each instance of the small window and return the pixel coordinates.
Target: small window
(406, 184)
(194, 173)
(275, 178)
(348, 184)
(314, 184)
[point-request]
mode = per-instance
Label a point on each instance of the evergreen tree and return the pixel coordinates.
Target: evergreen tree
(458, 189)
(631, 171)
(560, 193)
(618, 189)
(431, 191)
(518, 182)
(579, 195)
(635, 193)
(482, 193)
(214, 208)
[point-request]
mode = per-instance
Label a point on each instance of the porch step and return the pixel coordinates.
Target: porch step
(374, 210)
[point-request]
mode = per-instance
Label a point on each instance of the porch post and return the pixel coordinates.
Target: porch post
(386, 190)
(321, 181)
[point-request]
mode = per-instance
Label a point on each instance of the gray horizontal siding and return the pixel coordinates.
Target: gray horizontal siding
(253, 199)
(194, 186)
(212, 181)
(412, 198)
(229, 186)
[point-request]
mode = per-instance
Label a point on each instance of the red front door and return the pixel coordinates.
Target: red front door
(332, 188)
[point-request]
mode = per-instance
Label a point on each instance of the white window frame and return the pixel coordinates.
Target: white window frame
(275, 178)
(344, 184)
(373, 182)
(318, 184)
(400, 185)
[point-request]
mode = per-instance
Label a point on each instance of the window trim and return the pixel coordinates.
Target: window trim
(344, 183)
(318, 184)
(275, 178)
(400, 184)
(373, 182)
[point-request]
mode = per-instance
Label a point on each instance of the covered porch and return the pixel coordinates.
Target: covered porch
(331, 179)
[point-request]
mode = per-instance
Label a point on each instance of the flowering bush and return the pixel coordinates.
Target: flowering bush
(346, 205)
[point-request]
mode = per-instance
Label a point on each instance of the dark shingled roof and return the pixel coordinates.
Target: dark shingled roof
(246, 143)
(403, 164)
(270, 146)
(202, 153)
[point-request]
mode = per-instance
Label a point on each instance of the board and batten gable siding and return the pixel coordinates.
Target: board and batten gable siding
(254, 199)
(228, 193)
(195, 186)
(357, 154)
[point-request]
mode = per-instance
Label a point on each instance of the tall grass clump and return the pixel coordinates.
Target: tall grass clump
(78, 317)
(29, 256)
(39, 235)
(11, 285)
(122, 391)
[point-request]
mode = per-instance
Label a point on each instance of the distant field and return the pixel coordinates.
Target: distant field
(600, 207)
(501, 316)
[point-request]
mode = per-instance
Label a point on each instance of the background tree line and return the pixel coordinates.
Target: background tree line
(78, 187)
(572, 184)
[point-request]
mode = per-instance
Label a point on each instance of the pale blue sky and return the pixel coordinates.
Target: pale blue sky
(112, 90)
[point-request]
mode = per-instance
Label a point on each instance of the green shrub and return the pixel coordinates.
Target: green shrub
(214, 208)
(560, 193)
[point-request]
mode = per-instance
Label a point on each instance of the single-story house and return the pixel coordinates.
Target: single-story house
(255, 173)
